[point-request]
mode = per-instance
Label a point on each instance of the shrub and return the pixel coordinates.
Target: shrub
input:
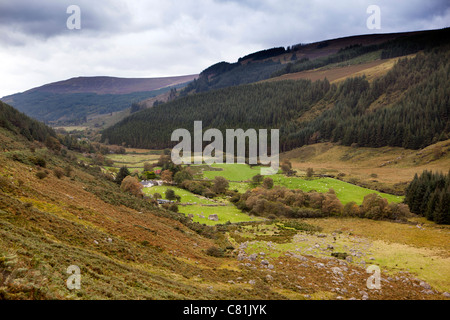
(309, 172)
(58, 172)
(166, 176)
(157, 196)
(172, 207)
(183, 175)
(68, 171)
(209, 193)
(351, 209)
(268, 183)
(220, 185)
(122, 174)
(38, 161)
(286, 166)
(131, 185)
(170, 194)
(398, 211)
(148, 166)
(41, 175)
(215, 252)
(257, 180)
(374, 207)
(306, 213)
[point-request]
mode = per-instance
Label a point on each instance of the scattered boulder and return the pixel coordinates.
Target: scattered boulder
(365, 295)
(269, 277)
(337, 272)
(446, 294)
(265, 262)
(242, 256)
(213, 217)
(252, 257)
(304, 265)
(429, 292)
(319, 265)
(425, 285)
(299, 257)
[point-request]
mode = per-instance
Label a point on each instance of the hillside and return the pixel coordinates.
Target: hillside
(393, 109)
(77, 100)
(18, 123)
(275, 62)
(387, 169)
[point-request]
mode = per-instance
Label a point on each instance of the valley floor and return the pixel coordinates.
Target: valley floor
(126, 249)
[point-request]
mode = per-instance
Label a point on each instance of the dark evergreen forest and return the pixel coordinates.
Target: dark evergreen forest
(417, 116)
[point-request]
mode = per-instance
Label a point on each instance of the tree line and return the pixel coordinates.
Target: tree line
(428, 195)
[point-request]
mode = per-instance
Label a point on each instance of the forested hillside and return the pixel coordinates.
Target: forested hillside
(19, 123)
(275, 62)
(401, 46)
(408, 107)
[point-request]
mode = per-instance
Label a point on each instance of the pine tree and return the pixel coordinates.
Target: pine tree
(442, 212)
(122, 174)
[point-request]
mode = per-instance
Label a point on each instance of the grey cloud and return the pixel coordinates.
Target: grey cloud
(172, 37)
(45, 18)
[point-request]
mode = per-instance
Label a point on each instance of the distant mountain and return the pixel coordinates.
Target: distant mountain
(74, 100)
(112, 85)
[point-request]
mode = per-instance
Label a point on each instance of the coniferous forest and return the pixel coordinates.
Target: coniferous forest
(19, 123)
(429, 195)
(417, 116)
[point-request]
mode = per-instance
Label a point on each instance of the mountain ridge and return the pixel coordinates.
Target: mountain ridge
(108, 85)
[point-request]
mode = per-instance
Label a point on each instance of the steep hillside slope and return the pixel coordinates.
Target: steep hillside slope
(406, 107)
(275, 62)
(19, 123)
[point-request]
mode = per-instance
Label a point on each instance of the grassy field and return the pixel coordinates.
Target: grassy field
(225, 213)
(186, 196)
(386, 167)
(233, 172)
(346, 192)
(133, 160)
(393, 247)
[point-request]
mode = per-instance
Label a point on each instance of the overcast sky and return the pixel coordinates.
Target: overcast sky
(167, 38)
